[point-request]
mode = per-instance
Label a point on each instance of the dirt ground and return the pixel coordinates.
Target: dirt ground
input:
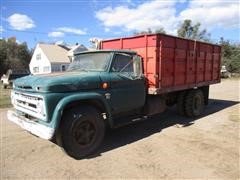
(166, 146)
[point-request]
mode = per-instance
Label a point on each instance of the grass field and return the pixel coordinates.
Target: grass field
(5, 101)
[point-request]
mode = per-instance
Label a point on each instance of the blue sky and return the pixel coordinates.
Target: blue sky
(74, 21)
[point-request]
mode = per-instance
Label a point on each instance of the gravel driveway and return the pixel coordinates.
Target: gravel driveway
(166, 146)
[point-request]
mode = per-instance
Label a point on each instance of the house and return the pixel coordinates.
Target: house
(75, 49)
(48, 58)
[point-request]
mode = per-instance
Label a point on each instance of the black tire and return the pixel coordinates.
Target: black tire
(181, 102)
(4, 86)
(81, 131)
(194, 103)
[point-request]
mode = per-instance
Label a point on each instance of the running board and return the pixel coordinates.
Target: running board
(119, 122)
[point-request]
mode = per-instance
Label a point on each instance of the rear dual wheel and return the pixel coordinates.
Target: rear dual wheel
(191, 103)
(181, 102)
(81, 131)
(194, 103)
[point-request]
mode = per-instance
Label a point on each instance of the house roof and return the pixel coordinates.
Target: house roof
(55, 53)
(76, 49)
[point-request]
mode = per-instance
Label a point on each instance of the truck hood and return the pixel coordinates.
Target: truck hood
(59, 82)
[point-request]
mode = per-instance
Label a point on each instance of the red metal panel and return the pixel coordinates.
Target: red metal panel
(167, 58)
(180, 60)
(167, 41)
(181, 44)
(139, 42)
(191, 68)
(111, 44)
(201, 62)
(172, 63)
(151, 67)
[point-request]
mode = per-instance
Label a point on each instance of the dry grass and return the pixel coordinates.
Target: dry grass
(5, 99)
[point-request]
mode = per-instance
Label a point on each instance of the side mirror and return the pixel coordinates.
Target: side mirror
(137, 66)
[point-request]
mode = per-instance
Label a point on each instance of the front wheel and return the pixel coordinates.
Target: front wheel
(81, 131)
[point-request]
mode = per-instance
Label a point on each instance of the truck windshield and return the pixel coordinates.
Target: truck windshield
(90, 62)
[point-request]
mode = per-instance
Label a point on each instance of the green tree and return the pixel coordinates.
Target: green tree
(24, 55)
(13, 55)
(3, 55)
(150, 31)
(190, 31)
(160, 30)
(230, 55)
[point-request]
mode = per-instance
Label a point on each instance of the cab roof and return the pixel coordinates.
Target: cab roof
(108, 50)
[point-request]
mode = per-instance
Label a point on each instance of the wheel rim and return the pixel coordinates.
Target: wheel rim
(84, 133)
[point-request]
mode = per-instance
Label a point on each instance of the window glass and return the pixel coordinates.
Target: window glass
(36, 69)
(38, 56)
(122, 63)
(46, 68)
(90, 62)
(55, 68)
(63, 67)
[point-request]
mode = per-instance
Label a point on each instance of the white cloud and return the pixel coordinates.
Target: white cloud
(157, 14)
(20, 22)
(107, 29)
(147, 15)
(60, 32)
(210, 14)
(72, 30)
(117, 32)
(56, 34)
(18, 42)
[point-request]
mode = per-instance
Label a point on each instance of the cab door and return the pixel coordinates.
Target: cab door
(128, 90)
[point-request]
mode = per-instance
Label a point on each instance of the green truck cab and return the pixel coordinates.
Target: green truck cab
(75, 106)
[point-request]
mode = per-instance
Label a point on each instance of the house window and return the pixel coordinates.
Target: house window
(38, 56)
(63, 68)
(36, 69)
(46, 69)
(55, 68)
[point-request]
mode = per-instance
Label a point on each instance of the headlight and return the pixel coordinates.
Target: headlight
(12, 98)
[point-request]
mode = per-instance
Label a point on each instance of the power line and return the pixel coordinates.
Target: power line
(94, 35)
(46, 33)
(32, 32)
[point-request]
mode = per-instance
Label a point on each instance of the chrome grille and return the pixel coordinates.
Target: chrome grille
(29, 104)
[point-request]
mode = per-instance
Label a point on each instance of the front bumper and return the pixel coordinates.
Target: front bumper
(31, 126)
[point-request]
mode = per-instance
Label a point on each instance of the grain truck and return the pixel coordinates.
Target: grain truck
(126, 80)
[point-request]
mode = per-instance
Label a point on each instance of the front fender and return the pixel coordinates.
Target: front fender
(58, 112)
